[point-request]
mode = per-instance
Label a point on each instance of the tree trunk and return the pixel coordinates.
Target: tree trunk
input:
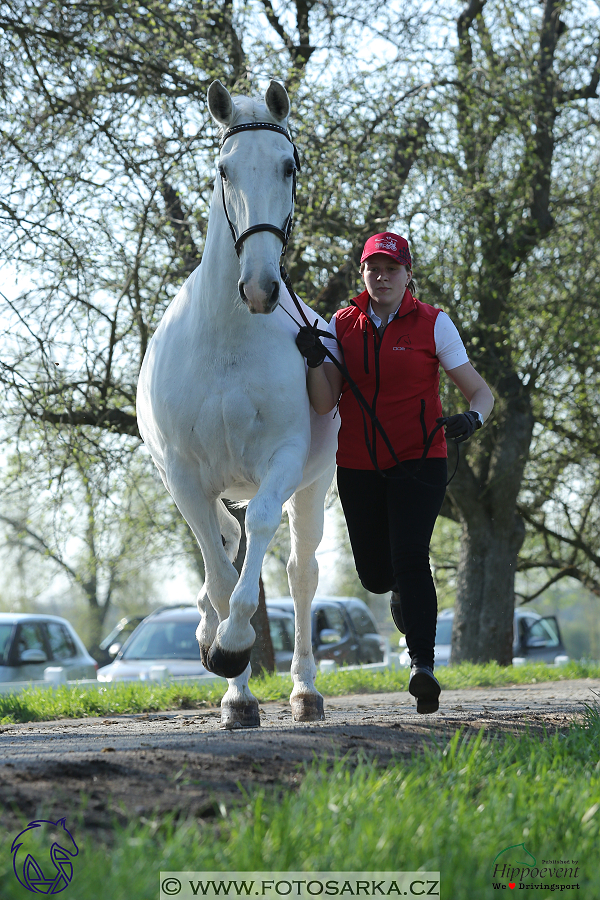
(484, 494)
(97, 617)
(262, 658)
(483, 617)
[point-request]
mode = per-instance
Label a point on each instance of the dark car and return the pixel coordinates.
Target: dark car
(537, 638)
(281, 628)
(343, 629)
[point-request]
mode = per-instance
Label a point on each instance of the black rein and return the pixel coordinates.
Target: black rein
(284, 235)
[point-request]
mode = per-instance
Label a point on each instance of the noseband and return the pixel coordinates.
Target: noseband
(282, 233)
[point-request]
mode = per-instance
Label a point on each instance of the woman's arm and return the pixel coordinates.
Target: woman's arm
(473, 388)
(324, 385)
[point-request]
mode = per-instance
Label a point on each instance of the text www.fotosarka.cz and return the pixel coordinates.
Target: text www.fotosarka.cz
(274, 885)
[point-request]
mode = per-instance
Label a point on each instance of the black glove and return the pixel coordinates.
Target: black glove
(309, 345)
(459, 428)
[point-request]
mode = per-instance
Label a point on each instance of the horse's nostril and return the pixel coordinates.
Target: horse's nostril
(241, 290)
(274, 295)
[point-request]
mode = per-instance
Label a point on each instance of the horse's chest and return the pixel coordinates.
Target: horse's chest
(238, 411)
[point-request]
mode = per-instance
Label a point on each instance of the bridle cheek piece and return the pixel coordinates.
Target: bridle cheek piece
(282, 233)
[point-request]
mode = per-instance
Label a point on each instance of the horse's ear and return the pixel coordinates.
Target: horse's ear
(219, 103)
(277, 100)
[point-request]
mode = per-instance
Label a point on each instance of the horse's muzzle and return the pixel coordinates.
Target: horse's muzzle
(260, 300)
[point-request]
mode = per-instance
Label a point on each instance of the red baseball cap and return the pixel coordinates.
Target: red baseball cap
(391, 244)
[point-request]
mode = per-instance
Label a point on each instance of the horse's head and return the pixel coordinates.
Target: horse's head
(257, 174)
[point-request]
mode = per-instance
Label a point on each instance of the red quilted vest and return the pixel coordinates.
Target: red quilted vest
(398, 374)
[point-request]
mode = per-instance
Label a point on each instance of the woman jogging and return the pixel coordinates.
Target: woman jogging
(393, 345)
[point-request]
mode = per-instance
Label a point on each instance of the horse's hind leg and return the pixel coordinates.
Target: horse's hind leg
(306, 514)
(239, 708)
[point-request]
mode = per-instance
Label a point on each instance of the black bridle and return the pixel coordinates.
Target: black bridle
(282, 233)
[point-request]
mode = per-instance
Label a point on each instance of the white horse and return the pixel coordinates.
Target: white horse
(222, 403)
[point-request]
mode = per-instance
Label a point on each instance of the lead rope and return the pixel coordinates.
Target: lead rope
(364, 405)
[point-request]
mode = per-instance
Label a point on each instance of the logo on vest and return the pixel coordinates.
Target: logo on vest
(404, 339)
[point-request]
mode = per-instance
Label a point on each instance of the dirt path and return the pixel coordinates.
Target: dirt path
(184, 762)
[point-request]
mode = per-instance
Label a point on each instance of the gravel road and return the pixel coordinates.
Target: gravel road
(185, 762)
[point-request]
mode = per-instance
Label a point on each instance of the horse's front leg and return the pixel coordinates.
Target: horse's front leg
(230, 652)
(306, 514)
(217, 533)
(209, 619)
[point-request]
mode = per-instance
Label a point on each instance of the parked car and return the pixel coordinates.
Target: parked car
(29, 643)
(112, 643)
(536, 638)
(166, 637)
(281, 628)
(343, 629)
(107, 650)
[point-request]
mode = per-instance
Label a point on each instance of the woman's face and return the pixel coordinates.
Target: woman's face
(386, 281)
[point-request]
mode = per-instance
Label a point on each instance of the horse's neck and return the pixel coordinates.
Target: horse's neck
(219, 274)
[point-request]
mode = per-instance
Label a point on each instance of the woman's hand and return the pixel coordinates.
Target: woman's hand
(310, 346)
(460, 427)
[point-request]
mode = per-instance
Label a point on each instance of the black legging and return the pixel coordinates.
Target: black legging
(390, 523)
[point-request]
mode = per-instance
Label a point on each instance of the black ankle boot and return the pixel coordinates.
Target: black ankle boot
(425, 687)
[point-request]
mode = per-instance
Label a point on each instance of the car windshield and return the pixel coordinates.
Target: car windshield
(122, 630)
(443, 633)
(5, 632)
(164, 640)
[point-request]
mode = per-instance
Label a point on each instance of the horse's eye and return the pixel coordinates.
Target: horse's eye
(222, 173)
(289, 169)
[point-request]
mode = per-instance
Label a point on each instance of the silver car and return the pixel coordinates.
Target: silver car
(535, 638)
(30, 643)
(164, 641)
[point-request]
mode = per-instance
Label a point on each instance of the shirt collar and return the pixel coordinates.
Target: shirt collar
(363, 303)
(376, 320)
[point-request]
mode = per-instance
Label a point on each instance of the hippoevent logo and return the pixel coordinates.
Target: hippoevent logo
(516, 869)
(50, 871)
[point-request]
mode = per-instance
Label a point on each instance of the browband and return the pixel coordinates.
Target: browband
(261, 126)
(265, 126)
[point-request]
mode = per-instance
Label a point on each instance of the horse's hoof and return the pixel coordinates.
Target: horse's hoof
(307, 708)
(225, 663)
(240, 715)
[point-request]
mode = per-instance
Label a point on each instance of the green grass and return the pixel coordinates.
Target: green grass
(451, 809)
(35, 704)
